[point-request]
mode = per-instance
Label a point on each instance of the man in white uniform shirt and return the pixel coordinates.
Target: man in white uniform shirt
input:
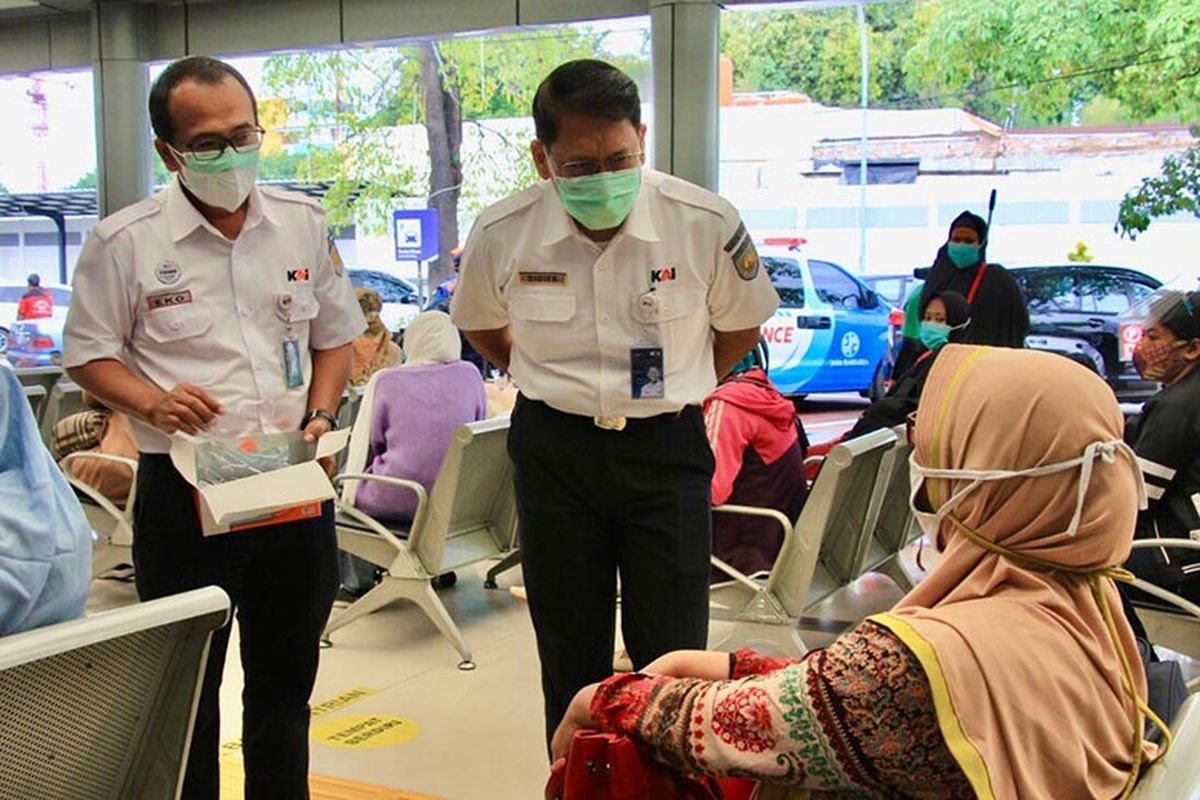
(615, 296)
(217, 306)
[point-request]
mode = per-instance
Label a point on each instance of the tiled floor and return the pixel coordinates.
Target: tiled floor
(478, 734)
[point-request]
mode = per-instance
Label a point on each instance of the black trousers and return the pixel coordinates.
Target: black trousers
(592, 504)
(282, 581)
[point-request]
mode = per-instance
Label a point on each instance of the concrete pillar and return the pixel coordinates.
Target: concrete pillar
(685, 62)
(119, 79)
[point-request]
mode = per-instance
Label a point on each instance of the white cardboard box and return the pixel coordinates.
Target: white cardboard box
(282, 495)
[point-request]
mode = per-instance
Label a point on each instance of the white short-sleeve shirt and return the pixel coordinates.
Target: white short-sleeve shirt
(160, 289)
(681, 266)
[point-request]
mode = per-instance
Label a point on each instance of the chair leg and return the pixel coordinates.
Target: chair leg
(431, 604)
(503, 565)
(388, 590)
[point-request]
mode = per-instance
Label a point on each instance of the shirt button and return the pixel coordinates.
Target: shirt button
(245, 311)
(176, 325)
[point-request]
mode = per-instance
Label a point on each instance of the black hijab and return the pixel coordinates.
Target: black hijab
(958, 312)
(998, 313)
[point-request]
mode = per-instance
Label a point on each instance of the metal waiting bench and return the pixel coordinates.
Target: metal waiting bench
(104, 706)
(42, 378)
(468, 516)
(821, 549)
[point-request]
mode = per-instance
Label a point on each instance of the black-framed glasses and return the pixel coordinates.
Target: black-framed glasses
(580, 169)
(210, 148)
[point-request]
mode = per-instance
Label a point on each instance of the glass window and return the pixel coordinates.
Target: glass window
(888, 288)
(1101, 292)
(789, 281)
(833, 286)
(1050, 291)
(1138, 291)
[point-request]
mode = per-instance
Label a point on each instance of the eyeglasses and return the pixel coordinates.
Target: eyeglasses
(579, 169)
(210, 148)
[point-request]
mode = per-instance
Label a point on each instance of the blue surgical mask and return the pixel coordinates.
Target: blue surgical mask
(934, 334)
(962, 254)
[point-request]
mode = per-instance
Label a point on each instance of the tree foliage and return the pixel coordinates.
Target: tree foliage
(1175, 190)
(817, 52)
(344, 107)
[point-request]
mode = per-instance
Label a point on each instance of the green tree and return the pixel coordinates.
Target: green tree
(1175, 190)
(349, 102)
(1036, 63)
(817, 52)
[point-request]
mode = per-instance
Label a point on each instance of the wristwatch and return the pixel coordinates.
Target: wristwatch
(319, 413)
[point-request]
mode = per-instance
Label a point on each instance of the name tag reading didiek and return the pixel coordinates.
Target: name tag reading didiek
(542, 278)
(646, 372)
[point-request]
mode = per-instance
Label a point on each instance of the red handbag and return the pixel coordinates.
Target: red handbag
(609, 766)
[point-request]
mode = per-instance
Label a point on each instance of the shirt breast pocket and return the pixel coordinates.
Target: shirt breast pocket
(541, 321)
(667, 305)
(170, 325)
(302, 304)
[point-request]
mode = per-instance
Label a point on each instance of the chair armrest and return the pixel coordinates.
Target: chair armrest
(1183, 544)
(367, 519)
(814, 460)
(120, 516)
(753, 511)
(1167, 596)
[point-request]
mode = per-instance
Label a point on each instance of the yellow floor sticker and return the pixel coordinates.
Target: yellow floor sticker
(234, 746)
(364, 731)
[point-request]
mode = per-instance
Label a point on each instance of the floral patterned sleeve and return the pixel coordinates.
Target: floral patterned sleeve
(856, 717)
(747, 662)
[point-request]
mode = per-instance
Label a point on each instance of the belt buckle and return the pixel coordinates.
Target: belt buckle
(610, 423)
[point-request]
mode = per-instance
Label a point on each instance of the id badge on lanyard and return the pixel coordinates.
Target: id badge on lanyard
(647, 375)
(293, 363)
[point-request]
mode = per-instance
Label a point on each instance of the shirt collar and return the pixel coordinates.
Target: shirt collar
(183, 218)
(558, 225)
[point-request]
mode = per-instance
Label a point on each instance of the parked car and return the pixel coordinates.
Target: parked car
(1073, 310)
(35, 343)
(831, 331)
(400, 301)
(10, 297)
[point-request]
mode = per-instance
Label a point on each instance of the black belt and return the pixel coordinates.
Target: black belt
(614, 423)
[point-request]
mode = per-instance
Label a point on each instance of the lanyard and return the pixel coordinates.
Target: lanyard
(975, 284)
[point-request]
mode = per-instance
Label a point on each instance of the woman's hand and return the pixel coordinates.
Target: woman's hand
(579, 715)
(706, 664)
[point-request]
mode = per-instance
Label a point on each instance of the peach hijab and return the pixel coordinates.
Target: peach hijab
(1031, 662)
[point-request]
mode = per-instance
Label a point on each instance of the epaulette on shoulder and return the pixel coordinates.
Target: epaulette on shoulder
(693, 195)
(114, 223)
(509, 206)
(289, 196)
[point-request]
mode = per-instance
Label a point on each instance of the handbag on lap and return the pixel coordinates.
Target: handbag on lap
(609, 766)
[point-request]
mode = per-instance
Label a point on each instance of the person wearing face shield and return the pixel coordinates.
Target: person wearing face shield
(374, 349)
(1166, 437)
(215, 303)
(945, 318)
(615, 296)
(1008, 672)
(999, 316)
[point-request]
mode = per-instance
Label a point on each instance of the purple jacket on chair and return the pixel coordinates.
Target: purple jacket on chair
(417, 409)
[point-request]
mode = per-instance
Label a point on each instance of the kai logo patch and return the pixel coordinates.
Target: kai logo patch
(298, 275)
(662, 275)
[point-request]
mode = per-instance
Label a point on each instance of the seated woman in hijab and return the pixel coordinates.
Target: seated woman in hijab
(759, 447)
(416, 410)
(945, 318)
(45, 541)
(998, 313)
(1008, 672)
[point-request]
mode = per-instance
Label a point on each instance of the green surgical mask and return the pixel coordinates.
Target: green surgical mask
(962, 254)
(601, 201)
(223, 182)
(934, 334)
